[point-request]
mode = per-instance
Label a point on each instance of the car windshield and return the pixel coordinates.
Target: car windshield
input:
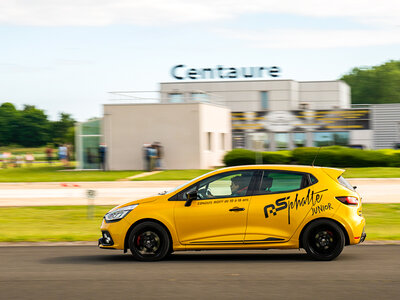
(186, 183)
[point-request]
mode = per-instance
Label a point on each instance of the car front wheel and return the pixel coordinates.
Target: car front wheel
(149, 241)
(323, 240)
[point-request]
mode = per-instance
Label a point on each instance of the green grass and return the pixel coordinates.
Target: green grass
(44, 173)
(174, 175)
(50, 223)
(376, 172)
(71, 223)
(383, 221)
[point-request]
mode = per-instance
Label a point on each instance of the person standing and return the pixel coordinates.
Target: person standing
(159, 154)
(152, 156)
(62, 154)
(49, 155)
(146, 156)
(103, 156)
(29, 158)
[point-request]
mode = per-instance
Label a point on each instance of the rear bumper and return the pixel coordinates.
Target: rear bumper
(363, 236)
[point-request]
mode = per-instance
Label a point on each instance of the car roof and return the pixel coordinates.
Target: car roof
(271, 167)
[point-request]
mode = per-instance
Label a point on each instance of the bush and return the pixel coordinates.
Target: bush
(332, 156)
(278, 157)
(239, 157)
(337, 156)
(395, 161)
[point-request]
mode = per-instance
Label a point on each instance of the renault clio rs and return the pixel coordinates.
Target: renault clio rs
(244, 207)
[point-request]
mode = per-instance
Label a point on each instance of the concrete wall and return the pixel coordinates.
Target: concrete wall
(178, 127)
(385, 125)
(217, 121)
(325, 94)
(362, 137)
(245, 95)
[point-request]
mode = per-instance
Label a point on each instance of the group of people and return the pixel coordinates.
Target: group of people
(153, 154)
(7, 159)
(64, 154)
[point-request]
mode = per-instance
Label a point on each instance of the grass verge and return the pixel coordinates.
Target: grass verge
(56, 173)
(71, 223)
(173, 175)
(377, 172)
(42, 172)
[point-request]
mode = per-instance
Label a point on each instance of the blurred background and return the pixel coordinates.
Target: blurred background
(104, 102)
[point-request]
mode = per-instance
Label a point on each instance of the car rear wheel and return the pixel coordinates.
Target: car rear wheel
(149, 241)
(323, 240)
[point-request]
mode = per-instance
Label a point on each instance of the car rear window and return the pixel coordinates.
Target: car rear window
(345, 183)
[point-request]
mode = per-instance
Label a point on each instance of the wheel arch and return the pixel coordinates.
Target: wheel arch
(126, 241)
(346, 235)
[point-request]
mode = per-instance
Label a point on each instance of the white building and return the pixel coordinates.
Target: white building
(197, 121)
(193, 135)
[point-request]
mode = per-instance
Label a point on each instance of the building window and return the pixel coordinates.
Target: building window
(222, 141)
(258, 141)
(282, 140)
(209, 141)
(299, 139)
(200, 97)
(330, 138)
(264, 100)
(175, 98)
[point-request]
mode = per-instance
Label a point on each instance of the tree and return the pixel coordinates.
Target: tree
(9, 118)
(375, 85)
(33, 127)
(61, 130)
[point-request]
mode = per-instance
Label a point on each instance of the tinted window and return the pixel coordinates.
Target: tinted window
(276, 182)
(313, 179)
(230, 184)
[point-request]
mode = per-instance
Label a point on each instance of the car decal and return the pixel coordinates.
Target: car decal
(321, 208)
(312, 198)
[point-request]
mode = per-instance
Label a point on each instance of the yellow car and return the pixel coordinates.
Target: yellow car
(244, 207)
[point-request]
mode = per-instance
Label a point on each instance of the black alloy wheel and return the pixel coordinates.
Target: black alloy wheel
(323, 240)
(149, 241)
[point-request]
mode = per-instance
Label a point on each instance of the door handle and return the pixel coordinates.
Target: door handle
(237, 209)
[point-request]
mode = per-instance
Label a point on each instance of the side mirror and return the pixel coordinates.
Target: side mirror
(354, 187)
(190, 197)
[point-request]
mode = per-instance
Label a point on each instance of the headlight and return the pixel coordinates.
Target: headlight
(119, 213)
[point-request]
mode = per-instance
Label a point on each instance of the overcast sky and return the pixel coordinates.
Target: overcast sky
(66, 55)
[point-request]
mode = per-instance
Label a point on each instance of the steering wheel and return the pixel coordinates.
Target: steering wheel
(204, 193)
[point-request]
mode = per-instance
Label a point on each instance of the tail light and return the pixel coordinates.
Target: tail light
(348, 200)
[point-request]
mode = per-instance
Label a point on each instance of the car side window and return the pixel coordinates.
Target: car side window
(280, 181)
(230, 184)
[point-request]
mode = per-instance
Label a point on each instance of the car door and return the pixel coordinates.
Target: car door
(280, 202)
(216, 216)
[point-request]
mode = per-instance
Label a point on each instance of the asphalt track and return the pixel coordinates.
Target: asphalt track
(86, 272)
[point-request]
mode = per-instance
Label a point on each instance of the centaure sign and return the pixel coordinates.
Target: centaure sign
(181, 72)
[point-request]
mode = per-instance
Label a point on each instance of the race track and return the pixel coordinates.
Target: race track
(86, 272)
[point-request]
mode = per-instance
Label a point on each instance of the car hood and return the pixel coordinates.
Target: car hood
(139, 201)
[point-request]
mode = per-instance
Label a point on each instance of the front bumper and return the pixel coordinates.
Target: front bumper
(105, 240)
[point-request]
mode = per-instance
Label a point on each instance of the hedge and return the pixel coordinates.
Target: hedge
(332, 156)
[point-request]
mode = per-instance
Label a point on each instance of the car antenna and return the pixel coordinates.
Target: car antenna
(316, 156)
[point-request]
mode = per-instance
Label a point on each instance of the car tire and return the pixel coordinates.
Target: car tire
(323, 240)
(149, 241)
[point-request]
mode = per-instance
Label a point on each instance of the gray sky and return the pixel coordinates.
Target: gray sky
(64, 56)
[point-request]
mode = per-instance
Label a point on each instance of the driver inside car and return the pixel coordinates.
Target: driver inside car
(239, 186)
